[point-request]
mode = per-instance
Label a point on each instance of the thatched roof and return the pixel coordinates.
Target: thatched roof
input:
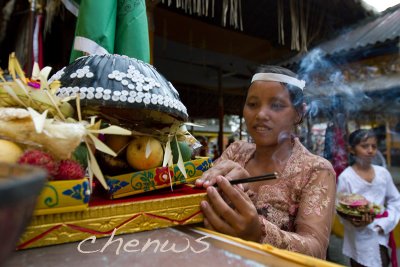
(198, 54)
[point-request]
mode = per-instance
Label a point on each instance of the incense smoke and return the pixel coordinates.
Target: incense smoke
(327, 92)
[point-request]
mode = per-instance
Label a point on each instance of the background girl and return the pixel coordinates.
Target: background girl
(366, 241)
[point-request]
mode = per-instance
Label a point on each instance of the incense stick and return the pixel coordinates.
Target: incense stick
(268, 176)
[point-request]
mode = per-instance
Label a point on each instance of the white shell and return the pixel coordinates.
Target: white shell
(90, 95)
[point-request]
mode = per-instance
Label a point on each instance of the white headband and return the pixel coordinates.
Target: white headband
(275, 77)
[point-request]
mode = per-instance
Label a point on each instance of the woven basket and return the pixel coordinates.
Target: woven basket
(348, 216)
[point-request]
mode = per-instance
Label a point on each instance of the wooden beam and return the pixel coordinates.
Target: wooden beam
(220, 112)
(388, 144)
(31, 26)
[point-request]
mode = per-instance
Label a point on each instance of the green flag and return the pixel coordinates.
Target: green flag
(132, 34)
(114, 27)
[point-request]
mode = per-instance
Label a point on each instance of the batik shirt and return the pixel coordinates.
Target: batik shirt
(296, 212)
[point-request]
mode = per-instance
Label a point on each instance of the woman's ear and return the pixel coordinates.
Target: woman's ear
(299, 120)
(304, 108)
(303, 111)
(300, 114)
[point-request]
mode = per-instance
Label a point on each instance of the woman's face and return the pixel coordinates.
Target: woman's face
(365, 151)
(269, 113)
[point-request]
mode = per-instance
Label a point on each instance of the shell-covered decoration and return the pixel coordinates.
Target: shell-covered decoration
(117, 81)
(24, 107)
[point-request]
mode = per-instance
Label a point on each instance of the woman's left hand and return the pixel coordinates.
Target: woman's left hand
(379, 229)
(241, 220)
(364, 221)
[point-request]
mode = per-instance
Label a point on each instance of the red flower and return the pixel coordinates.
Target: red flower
(162, 176)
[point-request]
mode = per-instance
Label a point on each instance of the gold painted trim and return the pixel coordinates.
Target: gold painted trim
(100, 221)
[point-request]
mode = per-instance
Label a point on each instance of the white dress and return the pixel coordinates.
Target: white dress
(362, 243)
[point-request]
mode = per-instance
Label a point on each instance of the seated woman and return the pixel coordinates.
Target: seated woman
(294, 211)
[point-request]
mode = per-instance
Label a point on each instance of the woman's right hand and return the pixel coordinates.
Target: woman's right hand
(227, 168)
(238, 218)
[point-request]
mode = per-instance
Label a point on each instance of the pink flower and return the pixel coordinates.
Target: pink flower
(34, 84)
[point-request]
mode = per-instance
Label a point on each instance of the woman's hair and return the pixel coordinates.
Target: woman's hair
(356, 138)
(295, 93)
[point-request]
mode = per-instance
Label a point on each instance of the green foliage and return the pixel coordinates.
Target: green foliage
(186, 151)
(81, 155)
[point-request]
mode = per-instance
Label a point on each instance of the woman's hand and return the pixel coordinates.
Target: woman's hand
(365, 220)
(379, 229)
(227, 168)
(241, 220)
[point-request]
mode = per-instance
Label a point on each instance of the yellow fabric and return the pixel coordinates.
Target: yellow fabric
(288, 255)
(337, 227)
(396, 234)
